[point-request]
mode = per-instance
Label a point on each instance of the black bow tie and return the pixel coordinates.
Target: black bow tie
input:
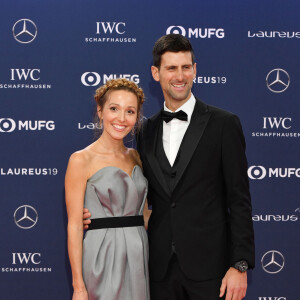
(168, 116)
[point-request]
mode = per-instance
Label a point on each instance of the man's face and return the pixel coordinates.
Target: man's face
(176, 74)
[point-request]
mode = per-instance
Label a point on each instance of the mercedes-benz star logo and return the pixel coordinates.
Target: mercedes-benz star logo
(278, 80)
(24, 31)
(272, 262)
(25, 216)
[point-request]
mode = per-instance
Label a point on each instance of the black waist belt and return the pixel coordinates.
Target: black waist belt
(115, 222)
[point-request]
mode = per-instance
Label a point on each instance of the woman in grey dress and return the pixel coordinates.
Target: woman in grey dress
(111, 263)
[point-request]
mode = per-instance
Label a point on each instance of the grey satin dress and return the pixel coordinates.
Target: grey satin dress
(115, 260)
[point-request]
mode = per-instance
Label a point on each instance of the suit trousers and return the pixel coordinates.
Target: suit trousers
(176, 286)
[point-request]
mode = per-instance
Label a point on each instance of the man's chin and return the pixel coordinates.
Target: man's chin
(180, 97)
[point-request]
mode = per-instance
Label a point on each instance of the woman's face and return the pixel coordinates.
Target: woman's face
(119, 113)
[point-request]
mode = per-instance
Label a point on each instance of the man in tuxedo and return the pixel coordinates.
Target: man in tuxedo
(201, 237)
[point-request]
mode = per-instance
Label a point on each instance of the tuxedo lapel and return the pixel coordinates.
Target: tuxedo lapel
(192, 137)
(151, 142)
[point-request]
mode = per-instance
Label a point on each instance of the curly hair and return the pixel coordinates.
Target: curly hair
(103, 92)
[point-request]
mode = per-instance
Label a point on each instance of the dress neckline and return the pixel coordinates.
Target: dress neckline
(99, 171)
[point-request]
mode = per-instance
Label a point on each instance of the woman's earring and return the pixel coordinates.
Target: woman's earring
(133, 130)
(100, 124)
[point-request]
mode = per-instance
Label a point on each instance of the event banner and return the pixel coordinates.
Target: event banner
(53, 56)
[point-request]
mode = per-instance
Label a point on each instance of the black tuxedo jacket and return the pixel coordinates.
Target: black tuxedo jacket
(208, 213)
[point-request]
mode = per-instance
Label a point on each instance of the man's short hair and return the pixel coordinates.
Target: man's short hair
(172, 43)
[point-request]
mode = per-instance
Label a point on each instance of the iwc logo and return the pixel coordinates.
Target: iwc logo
(278, 80)
(25, 216)
(24, 31)
(272, 262)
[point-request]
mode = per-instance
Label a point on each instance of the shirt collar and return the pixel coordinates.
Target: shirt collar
(187, 107)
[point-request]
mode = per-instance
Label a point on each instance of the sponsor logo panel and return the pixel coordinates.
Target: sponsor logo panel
(25, 79)
(277, 217)
(26, 262)
(272, 298)
(201, 33)
(277, 127)
(261, 172)
(8, 125)
(278, 80)
(94, 78)
(272, 262)
(210, 80)
(88, 126)
(25, 216)
(24, 31)
(28, 171)
(269, 34)
(110, 32)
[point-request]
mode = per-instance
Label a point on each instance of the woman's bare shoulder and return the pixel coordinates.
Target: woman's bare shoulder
(135, 155)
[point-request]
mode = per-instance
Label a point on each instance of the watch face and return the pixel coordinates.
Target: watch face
(242, 266)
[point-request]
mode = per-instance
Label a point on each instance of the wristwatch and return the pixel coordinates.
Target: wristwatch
(241, 266)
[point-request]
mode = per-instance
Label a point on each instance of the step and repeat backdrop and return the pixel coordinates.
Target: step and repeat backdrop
(54, 54)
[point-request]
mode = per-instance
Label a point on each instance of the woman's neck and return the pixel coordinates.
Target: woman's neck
(108, 144)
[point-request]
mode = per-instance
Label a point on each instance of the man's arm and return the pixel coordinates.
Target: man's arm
(234, 164)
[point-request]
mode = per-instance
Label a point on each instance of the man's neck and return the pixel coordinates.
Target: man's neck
(173, 105)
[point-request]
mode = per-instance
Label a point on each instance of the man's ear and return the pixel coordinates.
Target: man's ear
(195, 70)
(155, 73)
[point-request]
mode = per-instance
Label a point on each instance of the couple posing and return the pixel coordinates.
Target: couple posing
(200, 231)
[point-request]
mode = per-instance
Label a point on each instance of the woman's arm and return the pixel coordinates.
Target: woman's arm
(75, 185)
(147, 213)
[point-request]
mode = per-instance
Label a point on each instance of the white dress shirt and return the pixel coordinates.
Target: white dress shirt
(174, 131)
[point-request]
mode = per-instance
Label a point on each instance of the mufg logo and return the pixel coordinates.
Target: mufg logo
(10, 125)
(260, 172)
(94, 78)
(201, 33)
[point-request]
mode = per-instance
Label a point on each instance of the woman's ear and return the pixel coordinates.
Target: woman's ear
(99, 112)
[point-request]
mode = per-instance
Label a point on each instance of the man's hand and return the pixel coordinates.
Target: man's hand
(235, 284)
(86, 214)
